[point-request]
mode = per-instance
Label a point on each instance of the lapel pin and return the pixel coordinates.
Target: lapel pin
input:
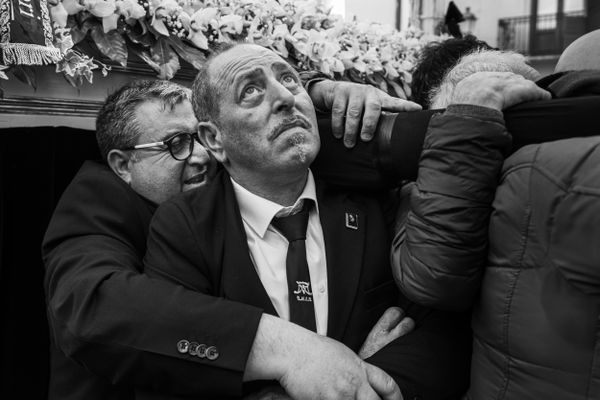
(352, 220)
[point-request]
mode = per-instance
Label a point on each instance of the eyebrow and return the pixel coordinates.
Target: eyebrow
(250, 74)
(283, 66)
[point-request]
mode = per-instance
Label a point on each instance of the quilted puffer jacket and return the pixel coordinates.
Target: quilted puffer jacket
(537, 323)
(440, 246)
(536, 318)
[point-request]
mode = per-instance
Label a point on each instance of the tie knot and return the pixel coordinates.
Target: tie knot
(293, 227)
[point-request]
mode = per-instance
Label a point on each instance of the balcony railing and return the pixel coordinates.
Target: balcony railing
(550, 35)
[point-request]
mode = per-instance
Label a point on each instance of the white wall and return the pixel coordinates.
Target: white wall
(382, 11)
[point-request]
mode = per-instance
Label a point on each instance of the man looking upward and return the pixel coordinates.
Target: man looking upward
(112, 327)
(226, 240)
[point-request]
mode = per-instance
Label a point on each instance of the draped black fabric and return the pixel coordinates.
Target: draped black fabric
(36, 164)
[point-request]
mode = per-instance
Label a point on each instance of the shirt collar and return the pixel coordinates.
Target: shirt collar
(258, 212)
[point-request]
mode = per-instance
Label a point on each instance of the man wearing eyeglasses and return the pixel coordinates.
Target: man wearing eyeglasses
(111, 326)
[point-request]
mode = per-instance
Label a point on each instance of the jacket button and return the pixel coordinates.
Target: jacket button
(201, 351)
(212, 353)
(193, 350)
(183, 346)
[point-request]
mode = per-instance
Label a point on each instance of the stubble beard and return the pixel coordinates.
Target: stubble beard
(298, 142)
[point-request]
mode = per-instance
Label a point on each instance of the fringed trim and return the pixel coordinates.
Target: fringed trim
(29, 54)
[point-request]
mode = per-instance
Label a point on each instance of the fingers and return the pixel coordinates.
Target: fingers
(390, 318)
(338, 115)
(382, 383)
(402, 328)
(497, 90)
(354, 112)
(370, 117)
(377, 101)
(390, 326)
(366, 392)
(355, 108)
(534, 92)
(394, 104)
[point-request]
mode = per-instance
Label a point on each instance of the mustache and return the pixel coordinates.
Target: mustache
(296, 120)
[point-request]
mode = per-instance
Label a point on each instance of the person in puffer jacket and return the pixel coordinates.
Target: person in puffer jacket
(536, 293)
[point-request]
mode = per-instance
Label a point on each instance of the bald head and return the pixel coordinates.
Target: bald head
(583, 53)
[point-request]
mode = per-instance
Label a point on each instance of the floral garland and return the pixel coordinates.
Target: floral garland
(161, 32)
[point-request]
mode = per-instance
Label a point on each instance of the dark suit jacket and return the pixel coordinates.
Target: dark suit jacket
(198, 241)
(121, 326)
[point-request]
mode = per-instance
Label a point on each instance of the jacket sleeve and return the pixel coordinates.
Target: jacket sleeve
(174, 255)
(105, 314)
(439, 252)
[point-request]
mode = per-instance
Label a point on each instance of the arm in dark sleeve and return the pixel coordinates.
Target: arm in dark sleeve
(439, 253)
(174, 255)
(105, 314)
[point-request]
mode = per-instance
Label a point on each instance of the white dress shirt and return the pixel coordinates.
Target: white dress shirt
(268, 249)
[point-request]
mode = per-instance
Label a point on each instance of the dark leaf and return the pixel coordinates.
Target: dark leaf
(144, 55)
(25, 74)
(164, 55)
(398, 91)
(188, 53)
(80, 27)
(376, 79)
(354, 75)
(111, 44)
(139, 34)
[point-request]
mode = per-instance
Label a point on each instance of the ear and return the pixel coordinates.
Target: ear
(211, 138)
(120, 162)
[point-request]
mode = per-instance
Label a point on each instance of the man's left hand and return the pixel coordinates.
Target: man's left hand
(350, 102)
(392, 324)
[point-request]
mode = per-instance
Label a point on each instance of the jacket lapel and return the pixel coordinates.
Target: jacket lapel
(344, 224)
(239, 279)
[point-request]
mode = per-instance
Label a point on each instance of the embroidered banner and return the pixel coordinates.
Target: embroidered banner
(26, 33)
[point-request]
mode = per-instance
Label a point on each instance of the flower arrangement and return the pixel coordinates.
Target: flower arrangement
(161, 32)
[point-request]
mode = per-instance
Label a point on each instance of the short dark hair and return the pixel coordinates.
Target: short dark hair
(435, 60)
(116, 125)
(205, 95)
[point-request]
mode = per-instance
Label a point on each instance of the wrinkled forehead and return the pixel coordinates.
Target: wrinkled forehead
(244, 60)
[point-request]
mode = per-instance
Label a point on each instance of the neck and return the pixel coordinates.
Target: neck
(283, 190)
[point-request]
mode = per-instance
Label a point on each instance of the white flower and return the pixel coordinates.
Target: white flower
(232, 24)
(72, 6)
(203, 17)
(130, 9)
(59, 15)
(100, 8)
(63, 39)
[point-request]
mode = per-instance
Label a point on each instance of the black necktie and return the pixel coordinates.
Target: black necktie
(293, 227)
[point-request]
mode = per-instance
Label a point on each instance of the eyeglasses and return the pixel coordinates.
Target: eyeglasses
(180, 146)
